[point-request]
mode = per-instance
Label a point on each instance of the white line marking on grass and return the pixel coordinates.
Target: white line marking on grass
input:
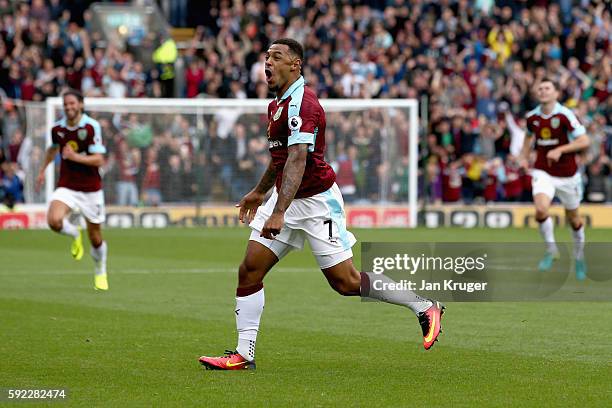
(143, 271)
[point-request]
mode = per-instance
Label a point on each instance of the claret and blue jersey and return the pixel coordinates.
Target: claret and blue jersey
(297, 117)
(558, 128)
(84, 138)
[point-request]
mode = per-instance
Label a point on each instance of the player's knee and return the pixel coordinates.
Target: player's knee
(541, 213)
(574, 220)
(55, 223)
(95, 237)
(249, 274)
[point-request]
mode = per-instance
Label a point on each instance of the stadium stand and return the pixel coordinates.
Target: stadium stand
(471, 64)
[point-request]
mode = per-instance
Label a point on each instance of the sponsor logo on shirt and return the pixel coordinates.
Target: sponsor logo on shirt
(275, 143)
(74, 145)
(547, 142)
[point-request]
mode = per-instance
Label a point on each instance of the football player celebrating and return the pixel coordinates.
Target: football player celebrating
(79, 139)
(306, 204)
(559, 136)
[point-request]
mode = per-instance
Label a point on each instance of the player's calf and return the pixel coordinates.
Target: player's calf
(344, 278)
(345, 286)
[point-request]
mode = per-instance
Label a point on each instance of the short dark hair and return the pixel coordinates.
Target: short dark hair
(74, 93)
(294, 46)
(554, 83)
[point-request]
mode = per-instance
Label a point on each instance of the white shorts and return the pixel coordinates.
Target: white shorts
(91, 205)
(320, 219)
(567, 189)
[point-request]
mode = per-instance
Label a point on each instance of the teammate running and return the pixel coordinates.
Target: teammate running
(559, 136)
(79, 139)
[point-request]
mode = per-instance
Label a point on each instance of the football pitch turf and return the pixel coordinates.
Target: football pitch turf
(171, 300)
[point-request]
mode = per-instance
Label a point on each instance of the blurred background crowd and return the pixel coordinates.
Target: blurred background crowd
(472, 65)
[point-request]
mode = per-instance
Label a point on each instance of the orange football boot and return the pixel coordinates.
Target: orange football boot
(230, 361)
(430, 323)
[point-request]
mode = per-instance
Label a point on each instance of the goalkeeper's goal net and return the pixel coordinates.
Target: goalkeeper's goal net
(212, 151)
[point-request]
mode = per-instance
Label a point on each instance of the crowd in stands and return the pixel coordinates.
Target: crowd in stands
(177, 158)
(473, 64)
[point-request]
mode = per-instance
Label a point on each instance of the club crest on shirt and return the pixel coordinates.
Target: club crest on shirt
(277, 114)
(555, 122)
(82, 134)
(60, 134)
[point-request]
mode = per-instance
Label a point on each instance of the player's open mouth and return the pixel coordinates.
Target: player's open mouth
(268, 73)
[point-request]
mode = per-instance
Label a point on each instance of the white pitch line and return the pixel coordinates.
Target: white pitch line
(16, 272)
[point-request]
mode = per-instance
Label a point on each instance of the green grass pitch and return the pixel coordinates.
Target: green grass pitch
(172, 297)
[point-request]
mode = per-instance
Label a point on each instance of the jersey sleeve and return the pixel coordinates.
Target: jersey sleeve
(54, 137)
(96, 145)
(574, 127)
(530, 130)
(302, 122)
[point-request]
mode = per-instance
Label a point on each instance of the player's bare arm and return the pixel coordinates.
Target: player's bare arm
(94, 160)
(577, 145)
(524, 155)
(292, 178)
(267, 180)
(49, 156)
(252, 200)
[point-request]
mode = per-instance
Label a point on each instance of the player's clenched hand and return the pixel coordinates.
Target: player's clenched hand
(68, 153)
(248, 206)
(273, 225)
(553, 156)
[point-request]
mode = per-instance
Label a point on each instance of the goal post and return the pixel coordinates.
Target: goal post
(383, 171)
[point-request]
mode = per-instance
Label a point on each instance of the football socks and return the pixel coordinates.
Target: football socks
(406, 297)
(248, 314)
